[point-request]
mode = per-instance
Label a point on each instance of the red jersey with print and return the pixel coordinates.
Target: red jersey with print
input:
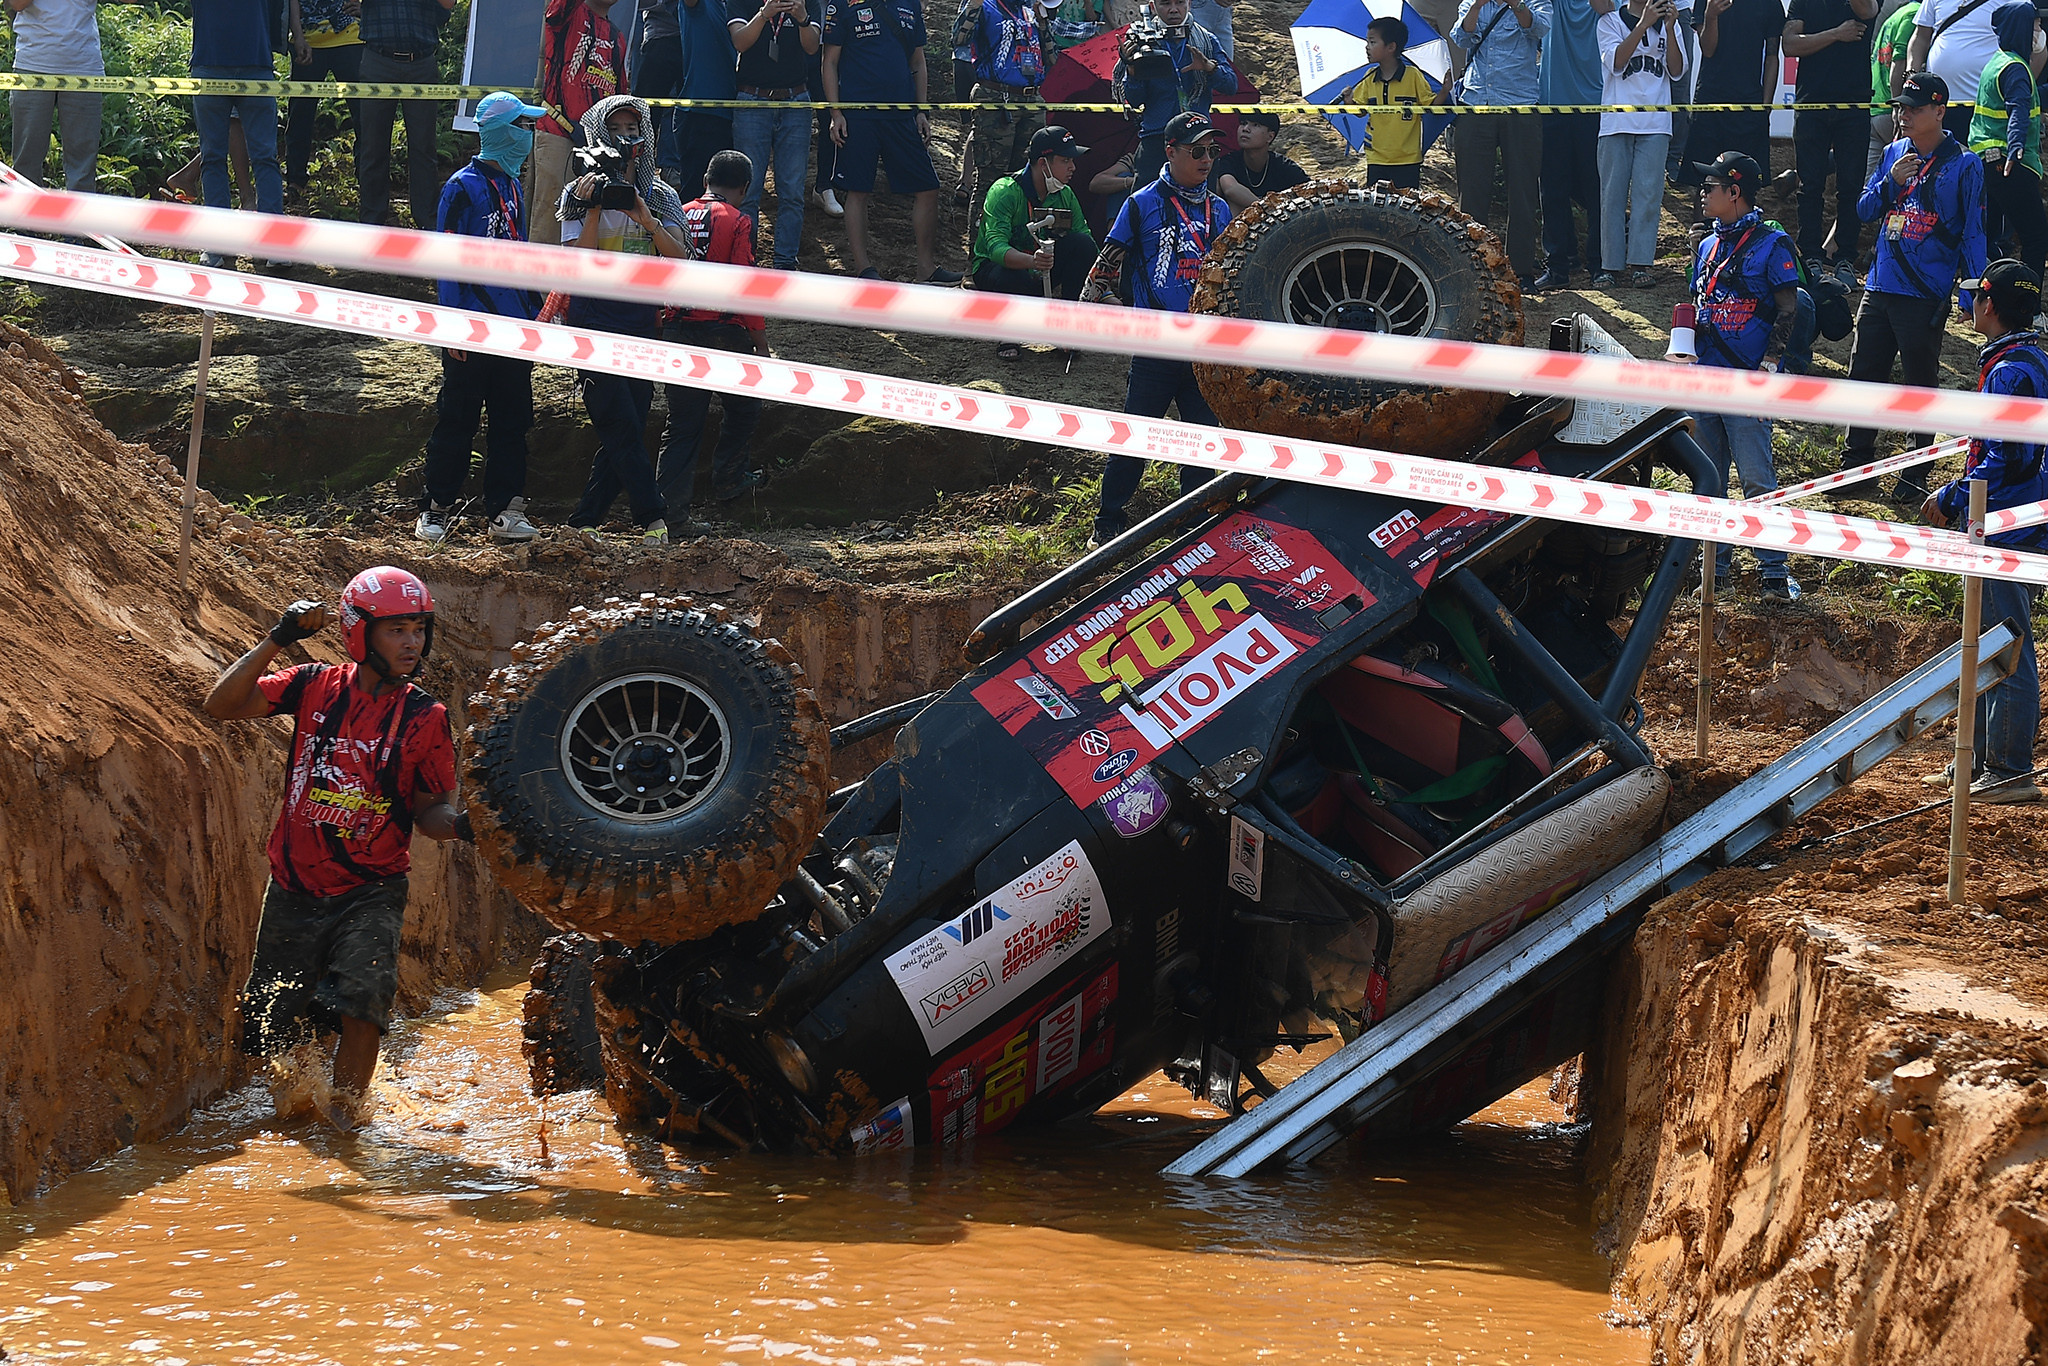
(357, 766)
(717, 231)
(582, 62)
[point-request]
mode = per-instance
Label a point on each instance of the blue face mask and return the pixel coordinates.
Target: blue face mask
(507, 144)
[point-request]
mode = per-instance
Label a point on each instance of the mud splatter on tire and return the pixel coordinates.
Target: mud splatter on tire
(1333, 254)
(593, 858)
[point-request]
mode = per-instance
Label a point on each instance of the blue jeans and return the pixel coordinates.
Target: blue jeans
(259, 131)
(781, 130)
(1748, 439)
(618, 410)
(1154, 384)
(2009, 714)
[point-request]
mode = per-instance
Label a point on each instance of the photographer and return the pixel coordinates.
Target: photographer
(620, 205)
(1165, 66)
(1638, 61)
(1032, 226)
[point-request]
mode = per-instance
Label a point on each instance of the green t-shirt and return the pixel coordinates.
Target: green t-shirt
(1891, 41)
(1007, 215)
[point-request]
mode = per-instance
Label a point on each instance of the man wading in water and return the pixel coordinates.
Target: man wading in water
(371, 762)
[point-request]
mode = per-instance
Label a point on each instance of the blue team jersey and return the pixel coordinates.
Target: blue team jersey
(1166, 235)
(2011, 470)
(1930, 231)
(480, 200)
(1735, 279)
(874, 53)
(1006, 44)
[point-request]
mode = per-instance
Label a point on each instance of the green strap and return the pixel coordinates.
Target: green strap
(1454, 619)
(1463, 783)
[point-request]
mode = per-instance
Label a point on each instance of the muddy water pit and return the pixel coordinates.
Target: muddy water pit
(441, 1233)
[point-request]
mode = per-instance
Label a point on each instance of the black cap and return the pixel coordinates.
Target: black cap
(1187, 129)
(1262, 118)
(1053, 141)
(1921, 88)
(2012, 287)
(1736, 170)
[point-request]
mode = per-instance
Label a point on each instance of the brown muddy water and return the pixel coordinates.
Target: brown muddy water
(442, 1234)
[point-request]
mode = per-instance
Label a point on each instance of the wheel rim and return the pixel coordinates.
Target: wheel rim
(646, 747)
(1363, 287)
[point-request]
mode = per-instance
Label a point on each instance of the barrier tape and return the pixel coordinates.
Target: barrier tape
(1515, 492)
(848, 302)
(385, 90)
(1877, 469)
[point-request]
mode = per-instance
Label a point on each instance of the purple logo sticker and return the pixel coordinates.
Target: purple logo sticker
(1136, 804)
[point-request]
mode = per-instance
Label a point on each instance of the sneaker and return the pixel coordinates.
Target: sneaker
(512, 523)
(1557, 277)
(1944, 779)
(870, 274)
(1815, 267)
(2004, 792)
(1605, 279)
(829, 202)
(781, 264)
(1845, 275)
(654, 533)
(1642, 279)
(1782, 590)
(942, 276)
(432, 527)
(739, 488)
(213, 260)
(1526, 283)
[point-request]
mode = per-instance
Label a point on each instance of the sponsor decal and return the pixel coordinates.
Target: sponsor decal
(1044, 1050)
(1112, 768)
(1472, 943)
(1247, 860)
(1153, 663)
(888, 1131)
(1136, 804)
(1041, 690)
(967, 971)
(1420, 547)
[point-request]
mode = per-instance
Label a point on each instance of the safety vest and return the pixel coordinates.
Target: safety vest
(1987, 125)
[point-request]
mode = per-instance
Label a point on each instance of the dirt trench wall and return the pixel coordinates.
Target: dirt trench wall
(1818, 1141)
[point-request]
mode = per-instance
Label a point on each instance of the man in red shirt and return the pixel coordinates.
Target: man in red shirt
(582, 60)
(717, 231)
(371, 762)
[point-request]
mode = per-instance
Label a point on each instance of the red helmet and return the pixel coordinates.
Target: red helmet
(383, 592)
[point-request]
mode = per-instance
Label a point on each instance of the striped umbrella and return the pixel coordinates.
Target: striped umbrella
(1329, 51)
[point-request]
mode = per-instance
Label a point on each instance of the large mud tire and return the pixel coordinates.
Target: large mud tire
(728, 754)
(559, 1027)
(1332, 254)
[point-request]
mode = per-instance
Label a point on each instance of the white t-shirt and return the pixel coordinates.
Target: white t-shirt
(59, 38)
(1960, 55)
(1647, 80)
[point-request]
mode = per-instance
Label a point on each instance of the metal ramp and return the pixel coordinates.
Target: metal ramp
(1403, 1051)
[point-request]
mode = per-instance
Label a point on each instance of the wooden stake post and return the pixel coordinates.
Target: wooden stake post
(192, 449)
(1966, 709)
(1702, 696)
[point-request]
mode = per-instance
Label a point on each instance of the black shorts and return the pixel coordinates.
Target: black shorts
(893, 138)
(322, 959)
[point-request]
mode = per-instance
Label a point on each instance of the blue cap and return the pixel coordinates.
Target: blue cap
(502, 107)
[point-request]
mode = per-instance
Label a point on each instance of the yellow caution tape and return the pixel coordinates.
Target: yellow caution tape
(379, 90)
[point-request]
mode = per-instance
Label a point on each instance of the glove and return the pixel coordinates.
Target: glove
(303, 618)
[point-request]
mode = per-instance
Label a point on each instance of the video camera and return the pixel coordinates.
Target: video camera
(1144, 47)
(617, 192)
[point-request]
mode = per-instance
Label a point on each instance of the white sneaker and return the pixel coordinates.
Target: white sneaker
(432, 527)
(829, 202)
(654, 533)
(512, 525)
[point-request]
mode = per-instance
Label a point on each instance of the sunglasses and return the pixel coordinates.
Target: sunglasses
(1200, 151)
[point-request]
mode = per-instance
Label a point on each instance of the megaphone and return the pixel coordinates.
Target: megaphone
(1683, 317)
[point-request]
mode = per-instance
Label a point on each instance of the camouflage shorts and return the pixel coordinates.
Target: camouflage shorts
(322, 959)
(1002, 135)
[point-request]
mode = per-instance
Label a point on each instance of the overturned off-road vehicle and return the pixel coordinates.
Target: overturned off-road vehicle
(1275, 762)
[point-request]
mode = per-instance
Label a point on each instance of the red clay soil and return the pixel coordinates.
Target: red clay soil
(1820, 1113)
